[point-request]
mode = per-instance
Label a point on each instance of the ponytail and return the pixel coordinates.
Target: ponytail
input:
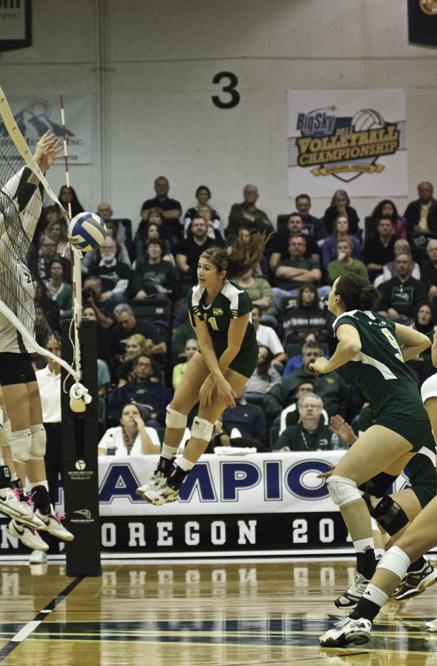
(356, 292)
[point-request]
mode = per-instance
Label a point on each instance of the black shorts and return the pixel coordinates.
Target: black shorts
(16, 369)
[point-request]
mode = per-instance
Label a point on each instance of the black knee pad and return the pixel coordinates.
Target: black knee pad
(379, 485)
(390, 515)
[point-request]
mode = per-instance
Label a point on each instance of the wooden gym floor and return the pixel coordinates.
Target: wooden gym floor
(230, 614)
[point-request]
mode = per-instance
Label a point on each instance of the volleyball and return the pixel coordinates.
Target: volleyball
(86, 231)
(367, 119)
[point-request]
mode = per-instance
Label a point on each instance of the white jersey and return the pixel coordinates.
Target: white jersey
(17, 288)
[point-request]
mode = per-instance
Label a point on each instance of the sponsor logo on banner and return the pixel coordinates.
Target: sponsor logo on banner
(80, 464)
(346, 147)
(85, 516)
(428, 7)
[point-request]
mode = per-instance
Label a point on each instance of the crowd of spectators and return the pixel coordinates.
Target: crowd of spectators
(134, 287)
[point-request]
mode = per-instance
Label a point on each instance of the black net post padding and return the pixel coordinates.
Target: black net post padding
(80, 439)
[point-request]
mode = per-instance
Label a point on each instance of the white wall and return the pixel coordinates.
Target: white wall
(150, 67)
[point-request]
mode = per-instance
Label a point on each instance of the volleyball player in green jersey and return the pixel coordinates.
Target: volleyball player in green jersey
(418, 538)
(370, 345)
(219, 313)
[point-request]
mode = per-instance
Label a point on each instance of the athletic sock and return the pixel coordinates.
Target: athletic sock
(180, 471)
(370, 603)
(168, 454)
(418, 564)
(366, 561)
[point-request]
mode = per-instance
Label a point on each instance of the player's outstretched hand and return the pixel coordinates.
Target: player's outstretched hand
(319, 366)
(47, 150)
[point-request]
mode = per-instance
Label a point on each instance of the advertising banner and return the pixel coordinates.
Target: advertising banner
(347, 139)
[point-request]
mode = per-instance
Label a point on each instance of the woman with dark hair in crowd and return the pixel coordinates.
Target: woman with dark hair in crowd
(340, 205)
(369, 345)
(151, 230)
(220, 316)
(67, 195)
(131, 438)
(386, 209)
(305, 317)
(264, 375)
(340, 230)
(203, 196)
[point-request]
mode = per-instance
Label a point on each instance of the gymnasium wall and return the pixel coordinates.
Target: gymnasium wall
(150, 65)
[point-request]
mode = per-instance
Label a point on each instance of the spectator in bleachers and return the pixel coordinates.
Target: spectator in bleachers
(191, 347)
(290, 414)
(429, 269)
(151, 231)
(267, 336)
(57, 231)
(203, 196)
(131, 437)
(246, 212)
(126, 325)
(92, 313)
(259, 290)
(279, 243)
(340, 206)
(105, 211)
(113, 273)
(331, 388)
(386, 209)
(311, 433)
(67, 195)
(424, 321)
(312, 225)
(182, 333)
(135, 346)
(170, 208)
(305, 316)
(190, 249)
(401, 295)
(92, 295)
(401, 246)
(122, 252)
(215, 225)
(290, 273)
(155, 277)
(345, 263)
(341, 230)
(60, 291)
(264, 375)
(242, 425)
(46, 253)
(379, 249)
(152, 396)
(421, 214)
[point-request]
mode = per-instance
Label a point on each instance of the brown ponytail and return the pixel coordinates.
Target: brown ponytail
(356, 292)
(241, 256)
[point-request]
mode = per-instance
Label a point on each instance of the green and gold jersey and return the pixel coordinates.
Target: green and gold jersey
(378, 369)
(230, 303)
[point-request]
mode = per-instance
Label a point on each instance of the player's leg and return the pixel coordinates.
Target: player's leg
(184, 399)
(418, 538)
(36, 470)
(201, 433)
(363, 461)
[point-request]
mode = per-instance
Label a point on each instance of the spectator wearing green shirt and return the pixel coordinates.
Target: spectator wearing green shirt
(311, 433)
(59, 290)
(345, 263)
(291, 273)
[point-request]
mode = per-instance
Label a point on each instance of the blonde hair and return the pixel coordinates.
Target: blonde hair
(145, 344)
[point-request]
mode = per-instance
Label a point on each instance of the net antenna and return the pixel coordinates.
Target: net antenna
(76, 393)
(18, 223)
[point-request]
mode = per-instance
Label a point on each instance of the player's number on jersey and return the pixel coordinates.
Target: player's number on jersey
(212, 321)
(229, 83)
(394, 343)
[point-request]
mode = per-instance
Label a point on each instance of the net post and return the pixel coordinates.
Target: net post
(80, 439)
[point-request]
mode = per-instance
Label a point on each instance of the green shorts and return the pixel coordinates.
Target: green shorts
(415, 431)
(423, 478)
(245, 361)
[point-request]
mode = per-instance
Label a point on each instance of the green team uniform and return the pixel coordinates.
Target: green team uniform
(380, 373)
(421, 470)
(230, 303)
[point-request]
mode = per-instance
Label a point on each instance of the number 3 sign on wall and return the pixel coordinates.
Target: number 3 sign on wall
(229, 87)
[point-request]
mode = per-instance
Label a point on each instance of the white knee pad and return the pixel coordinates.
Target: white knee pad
(175, 419)
(39, 441)
(5, 433)
(396, 561)
(21, 441)
(202, 429)
(429, 388)
(342, 490)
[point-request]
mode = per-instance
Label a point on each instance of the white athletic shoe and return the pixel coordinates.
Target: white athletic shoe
(27, 536)
(354, 592)
(12, 506)
(347, 631)
(38, 557)
(156, 481)
(158, 493)
(53, 526)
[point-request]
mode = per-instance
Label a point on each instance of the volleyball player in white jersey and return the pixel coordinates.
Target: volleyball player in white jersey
(20, 210)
